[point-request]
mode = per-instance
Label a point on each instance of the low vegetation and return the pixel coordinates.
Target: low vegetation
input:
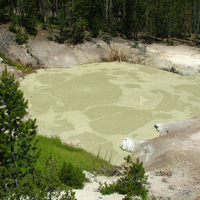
(62, 153)
(7, 61)
(131, 183)
(21, 36)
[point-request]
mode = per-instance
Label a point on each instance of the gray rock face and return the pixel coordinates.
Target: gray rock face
(173, 127)
(73, 143)
(89, 176)
(178, 144)
(51, 54)
(131, 145)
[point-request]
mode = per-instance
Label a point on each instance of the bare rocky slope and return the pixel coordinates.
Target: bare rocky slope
(171, 160)
(41, 52)
(174, 156)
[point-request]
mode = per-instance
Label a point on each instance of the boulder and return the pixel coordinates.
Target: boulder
(89, 176)
(73, 143)
(171, 127)
(131, 145)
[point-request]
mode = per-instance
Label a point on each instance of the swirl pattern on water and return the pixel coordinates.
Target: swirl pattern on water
(101, 103)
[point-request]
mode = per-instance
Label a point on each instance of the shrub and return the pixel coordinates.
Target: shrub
(132, 182)
(77, 34)
(170, 42)
(7, 61)
(71, 176)
(21, 38)
(45, 184)
(14, 25)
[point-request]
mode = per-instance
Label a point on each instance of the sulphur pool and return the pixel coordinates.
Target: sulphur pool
(101, 103)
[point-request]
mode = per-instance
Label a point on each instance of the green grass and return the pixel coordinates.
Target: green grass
(11, 63)
(78, 157)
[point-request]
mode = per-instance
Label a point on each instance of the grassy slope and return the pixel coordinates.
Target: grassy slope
(78, 157)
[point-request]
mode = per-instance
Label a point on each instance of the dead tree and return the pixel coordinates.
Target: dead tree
(5, 38)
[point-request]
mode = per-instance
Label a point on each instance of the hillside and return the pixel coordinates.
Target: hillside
(174, 172)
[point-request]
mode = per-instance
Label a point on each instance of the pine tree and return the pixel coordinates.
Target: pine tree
(134, 178)
(134, 20)
(52, 183)
(132, 182)
(63, 34)
(71, 176)
(80, 11)
(51, 177)
(78, 31)
(18, 152)
(94, 17)
(31, 17)
(3, 11)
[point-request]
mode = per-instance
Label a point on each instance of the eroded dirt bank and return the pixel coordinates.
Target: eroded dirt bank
(40, 51)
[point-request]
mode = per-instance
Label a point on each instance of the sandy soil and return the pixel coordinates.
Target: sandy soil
(174, 172)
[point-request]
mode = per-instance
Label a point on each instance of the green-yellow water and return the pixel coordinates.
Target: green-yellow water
(101, 103)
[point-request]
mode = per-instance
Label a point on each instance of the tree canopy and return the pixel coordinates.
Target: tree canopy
(18, 152)
(127, 18)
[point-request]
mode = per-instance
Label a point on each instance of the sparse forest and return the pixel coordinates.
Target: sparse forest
(82, 19)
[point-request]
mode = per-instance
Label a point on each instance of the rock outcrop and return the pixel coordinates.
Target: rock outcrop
(178, 143)
(73, 143)
(41, 52)
(131, 145)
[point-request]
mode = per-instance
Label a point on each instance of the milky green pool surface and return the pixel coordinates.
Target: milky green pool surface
(101, 103)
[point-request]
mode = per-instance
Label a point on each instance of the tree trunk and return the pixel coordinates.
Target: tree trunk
(56, 4)
(106, 10)
(146, 29)
(124, 9)
(198, 23)
(110, 12)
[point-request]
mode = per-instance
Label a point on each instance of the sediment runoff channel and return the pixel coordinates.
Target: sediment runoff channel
(99, 104)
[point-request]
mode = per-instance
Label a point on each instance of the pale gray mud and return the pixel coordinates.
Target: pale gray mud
(173, 158)
(101, 103)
